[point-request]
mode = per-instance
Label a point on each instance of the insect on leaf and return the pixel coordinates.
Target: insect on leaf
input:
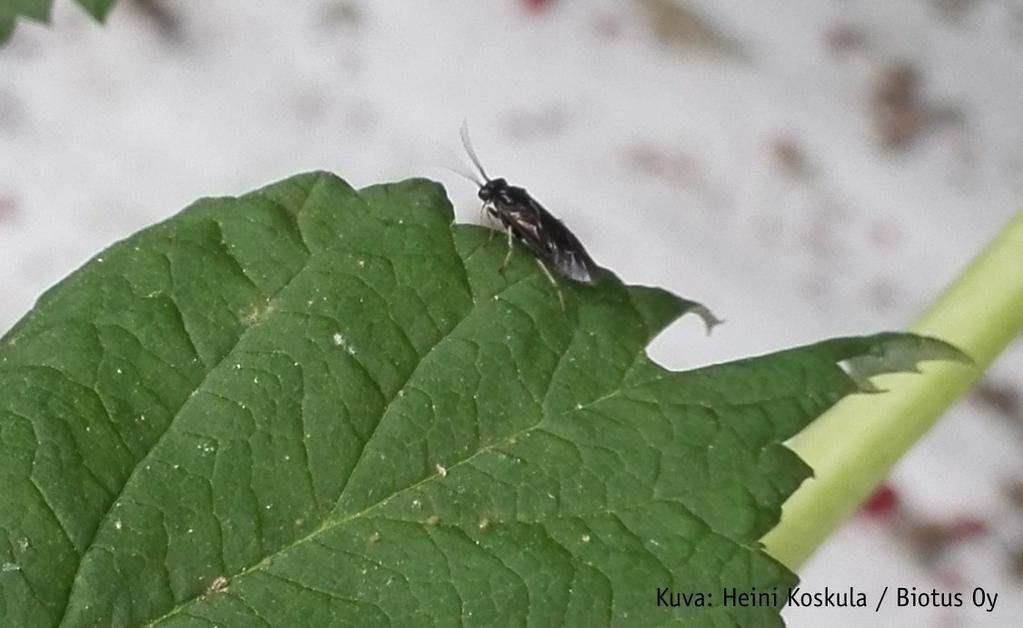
(312, 405)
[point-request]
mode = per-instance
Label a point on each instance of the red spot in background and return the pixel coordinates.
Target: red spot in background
(535, 5)
(881, 503)
(884, 235)
(949, 577)
(967, 527)
(607, 26)
(8, 208)
(929, 538)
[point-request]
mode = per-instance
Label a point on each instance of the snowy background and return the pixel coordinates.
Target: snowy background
(807, 168)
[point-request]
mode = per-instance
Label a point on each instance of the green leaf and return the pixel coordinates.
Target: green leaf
(96, 8)
(39, 10)
(319, 406)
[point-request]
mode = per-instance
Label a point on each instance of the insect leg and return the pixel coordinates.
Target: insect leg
(553, 281)
(507, 257)
(487, 218)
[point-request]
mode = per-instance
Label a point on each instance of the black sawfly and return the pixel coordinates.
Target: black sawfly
(524, 218)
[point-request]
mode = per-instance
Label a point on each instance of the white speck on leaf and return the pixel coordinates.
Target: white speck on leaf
(219, 584)
(340, 341)
(256, 312)
(441, 471)
(118, 525)
(586, 538)
(6, 567)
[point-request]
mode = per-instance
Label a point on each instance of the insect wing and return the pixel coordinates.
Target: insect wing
(545, 235)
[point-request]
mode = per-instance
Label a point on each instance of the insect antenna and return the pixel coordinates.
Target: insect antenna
(465, 174)
(467, 144)
(437, 155)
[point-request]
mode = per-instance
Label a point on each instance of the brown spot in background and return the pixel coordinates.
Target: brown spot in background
(900, 114)
(678, 169)
(343, 14)
(955, 10)
(844, 38)
(1014, 493)
(816, 287)
(164, 19)
(789, 155)
(930, 539)
(882, 293)
(546, 121)
(310, 102)
(675, 24)
(1002, 397)
(1016, 563)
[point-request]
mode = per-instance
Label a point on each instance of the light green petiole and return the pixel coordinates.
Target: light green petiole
(853, 446)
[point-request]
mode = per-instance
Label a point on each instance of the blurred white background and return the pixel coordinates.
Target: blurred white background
(807, 168)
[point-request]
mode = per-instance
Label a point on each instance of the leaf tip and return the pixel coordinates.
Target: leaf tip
(710, 321)
(898, 353)
(659, 308)
(98, 9)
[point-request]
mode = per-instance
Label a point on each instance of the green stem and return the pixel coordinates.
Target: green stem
(853, 446)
